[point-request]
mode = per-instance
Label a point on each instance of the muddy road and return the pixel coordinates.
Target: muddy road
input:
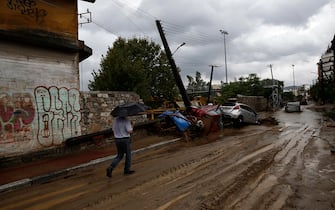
(284, 166)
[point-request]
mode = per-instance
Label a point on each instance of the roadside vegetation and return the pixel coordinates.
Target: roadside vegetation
(323, 92)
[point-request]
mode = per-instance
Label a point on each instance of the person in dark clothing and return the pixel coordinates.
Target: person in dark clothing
(122, 128)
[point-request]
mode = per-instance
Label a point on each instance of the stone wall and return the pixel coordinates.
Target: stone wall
(96, 107)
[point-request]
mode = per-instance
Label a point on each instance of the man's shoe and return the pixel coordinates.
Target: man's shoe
(126, 173)
(109, 172)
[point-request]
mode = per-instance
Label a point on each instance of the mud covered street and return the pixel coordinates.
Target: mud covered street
(284, 166)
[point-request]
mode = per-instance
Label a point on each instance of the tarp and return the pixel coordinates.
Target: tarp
(179, 120)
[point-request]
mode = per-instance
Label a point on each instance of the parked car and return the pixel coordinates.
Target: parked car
(292, 106)
(239, 113)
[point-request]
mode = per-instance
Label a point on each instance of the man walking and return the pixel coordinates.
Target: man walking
(122, 128)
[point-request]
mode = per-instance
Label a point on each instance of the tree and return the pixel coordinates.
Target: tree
(135, 65)
(249, 86)
(197, 83)
(323, 91)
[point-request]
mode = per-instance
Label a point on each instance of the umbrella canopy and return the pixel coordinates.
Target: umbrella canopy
(129, 109)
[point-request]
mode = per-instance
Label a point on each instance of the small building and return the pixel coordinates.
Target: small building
(39, 74)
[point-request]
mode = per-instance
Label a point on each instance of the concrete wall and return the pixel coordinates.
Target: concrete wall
(39, 98)
(258, 103)
(39, 75)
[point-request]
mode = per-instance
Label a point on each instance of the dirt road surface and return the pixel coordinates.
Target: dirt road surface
(284, 166)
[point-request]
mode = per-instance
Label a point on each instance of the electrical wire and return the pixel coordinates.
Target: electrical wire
(104, 28)
(176, 34)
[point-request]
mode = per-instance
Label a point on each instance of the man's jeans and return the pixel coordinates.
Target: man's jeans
(123, 147)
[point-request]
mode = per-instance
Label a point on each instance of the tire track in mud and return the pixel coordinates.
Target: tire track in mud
(162, 180)
(227, 174)
(258, 170)
(225, 193)
(274, 188)
(315, 189)
(210, 179)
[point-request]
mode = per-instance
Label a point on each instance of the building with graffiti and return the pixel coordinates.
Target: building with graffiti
(39, 74)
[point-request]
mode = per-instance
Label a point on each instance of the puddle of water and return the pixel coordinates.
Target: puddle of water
(297, 118)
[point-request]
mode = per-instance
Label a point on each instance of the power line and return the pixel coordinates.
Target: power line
(103, 27)
(117, 3)
(174, 32)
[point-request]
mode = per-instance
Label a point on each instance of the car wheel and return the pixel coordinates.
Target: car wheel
(239, 121)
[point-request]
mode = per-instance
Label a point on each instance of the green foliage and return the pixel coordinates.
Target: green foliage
(288, 96)
(323, 92)
(196, 83)
(135, 65)
(197, 86)
(330, 114)
(249, 86)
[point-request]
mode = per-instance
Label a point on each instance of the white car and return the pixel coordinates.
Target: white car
(292, 106)
(239, 113)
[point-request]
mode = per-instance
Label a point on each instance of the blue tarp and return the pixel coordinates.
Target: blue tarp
(179, 120)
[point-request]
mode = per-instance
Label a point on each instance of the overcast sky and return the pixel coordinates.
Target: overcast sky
(260, 32)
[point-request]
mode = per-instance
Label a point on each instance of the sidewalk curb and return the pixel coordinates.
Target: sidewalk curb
(46, 177)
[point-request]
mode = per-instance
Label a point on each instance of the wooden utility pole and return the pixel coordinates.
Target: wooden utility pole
(176, 75)
(333, 49)
(210, 83)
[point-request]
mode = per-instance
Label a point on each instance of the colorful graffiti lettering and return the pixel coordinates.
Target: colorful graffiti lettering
(16, 115)
(50, 116)
(58, 114)
(27, 7)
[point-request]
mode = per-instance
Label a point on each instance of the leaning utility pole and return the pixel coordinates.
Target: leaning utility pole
(176, 75)
(210, 84)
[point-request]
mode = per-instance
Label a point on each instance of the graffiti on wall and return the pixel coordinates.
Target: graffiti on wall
(17, 112)
(58, 114)
(48, 117)
(28, 8)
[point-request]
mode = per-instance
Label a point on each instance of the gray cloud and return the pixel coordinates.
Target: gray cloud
(261, 32)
